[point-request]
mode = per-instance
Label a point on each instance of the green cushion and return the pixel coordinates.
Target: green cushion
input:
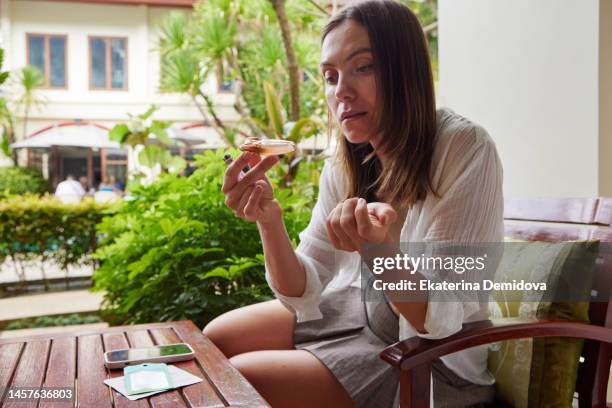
(541, 372)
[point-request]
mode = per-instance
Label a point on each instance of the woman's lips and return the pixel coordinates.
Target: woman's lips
(354, 117)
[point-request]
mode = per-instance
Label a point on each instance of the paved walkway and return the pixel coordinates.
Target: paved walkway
(44, 304)
(50, 330)
(33, 271)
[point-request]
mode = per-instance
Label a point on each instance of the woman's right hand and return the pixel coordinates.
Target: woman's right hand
(252, 197)
(354, 222)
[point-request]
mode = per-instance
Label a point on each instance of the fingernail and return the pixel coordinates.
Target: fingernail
(361, 201)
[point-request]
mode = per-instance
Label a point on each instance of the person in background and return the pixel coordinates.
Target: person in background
(189, 170)
(84, 181)
(69, 190)
(105, 185)
(107, 191)
(116, 184)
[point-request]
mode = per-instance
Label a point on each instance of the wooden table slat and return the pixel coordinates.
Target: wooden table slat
(61, 370)
(91, 390)
(141, 338)
(9, 356)
(30, 370)
(77, 357)
(231, 384)
(80, 332)
(116, 341)
(197, 395)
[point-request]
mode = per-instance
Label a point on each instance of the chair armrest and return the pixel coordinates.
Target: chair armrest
(416, 351)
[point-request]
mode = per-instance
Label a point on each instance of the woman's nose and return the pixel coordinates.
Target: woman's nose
(344, 90)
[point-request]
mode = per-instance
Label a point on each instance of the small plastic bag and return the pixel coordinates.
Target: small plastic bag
(146, 378)
(267, 147)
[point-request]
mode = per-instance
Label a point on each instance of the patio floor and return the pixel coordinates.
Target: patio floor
(45, 304)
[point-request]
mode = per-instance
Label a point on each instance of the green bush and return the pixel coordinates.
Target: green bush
(33, 227)
(21, 180)
(52, 321)
(175, 251)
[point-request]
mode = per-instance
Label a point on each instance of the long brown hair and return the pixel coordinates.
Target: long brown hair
(407, 107)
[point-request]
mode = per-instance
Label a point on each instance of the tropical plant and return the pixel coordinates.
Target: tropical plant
(138, 131)
(251, 43)
(183, 69)
(292, 66)
(280, 129)
(21, 180)
(36, 228)
(29, 78)
(176, 251)
(6, 124)
(427, 13)
(6, 118)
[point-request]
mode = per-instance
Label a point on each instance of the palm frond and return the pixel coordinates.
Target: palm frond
(172, 32)
(181, 73)
(216, 37)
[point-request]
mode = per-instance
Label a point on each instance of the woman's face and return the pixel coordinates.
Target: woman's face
(347, 66)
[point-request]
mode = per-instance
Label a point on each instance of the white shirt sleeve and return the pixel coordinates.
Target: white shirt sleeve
(469, 209)
(320, 259)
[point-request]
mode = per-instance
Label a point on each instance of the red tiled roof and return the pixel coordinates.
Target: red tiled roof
(162, 3)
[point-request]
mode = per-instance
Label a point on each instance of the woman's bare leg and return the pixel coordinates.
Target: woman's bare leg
(292, 378)
(258, 339)
(261, 326)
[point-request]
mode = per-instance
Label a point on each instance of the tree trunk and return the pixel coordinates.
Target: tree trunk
(240, 105)
(292, 67)
(26, 113)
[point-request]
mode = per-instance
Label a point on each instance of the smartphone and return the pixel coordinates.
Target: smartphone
(167, 353)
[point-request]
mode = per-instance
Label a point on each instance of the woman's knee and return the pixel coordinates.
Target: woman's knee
(291, 378)
(266, 325)
(219, 331)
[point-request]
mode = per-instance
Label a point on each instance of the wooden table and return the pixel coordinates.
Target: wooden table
(75, 360)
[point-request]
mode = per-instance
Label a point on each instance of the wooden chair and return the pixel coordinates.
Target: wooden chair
(551, 220)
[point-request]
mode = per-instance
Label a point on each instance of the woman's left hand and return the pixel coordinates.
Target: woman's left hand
(354, 222)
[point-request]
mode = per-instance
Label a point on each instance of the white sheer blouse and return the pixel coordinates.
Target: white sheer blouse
(467, 174)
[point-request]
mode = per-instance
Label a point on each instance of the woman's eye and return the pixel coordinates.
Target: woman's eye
(365, 68)
(329, 78)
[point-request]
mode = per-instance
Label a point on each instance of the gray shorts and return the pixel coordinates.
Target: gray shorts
(348, 341)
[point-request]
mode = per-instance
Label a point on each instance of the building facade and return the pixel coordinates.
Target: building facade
(99, 60)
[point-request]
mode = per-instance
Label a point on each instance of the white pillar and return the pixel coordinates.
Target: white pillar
(605, 98)
(538, 76)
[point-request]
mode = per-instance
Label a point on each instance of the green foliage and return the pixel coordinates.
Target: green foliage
(427, 13)
(176, 251)
(53, 321)
(425, 10)
(280, 129)
(6, 118)
(138, 131)
(34, 227)
(30, 78)
(241, 40)
(3, 75)
(21, 180)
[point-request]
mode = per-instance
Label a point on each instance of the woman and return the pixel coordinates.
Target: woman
(403, 172)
